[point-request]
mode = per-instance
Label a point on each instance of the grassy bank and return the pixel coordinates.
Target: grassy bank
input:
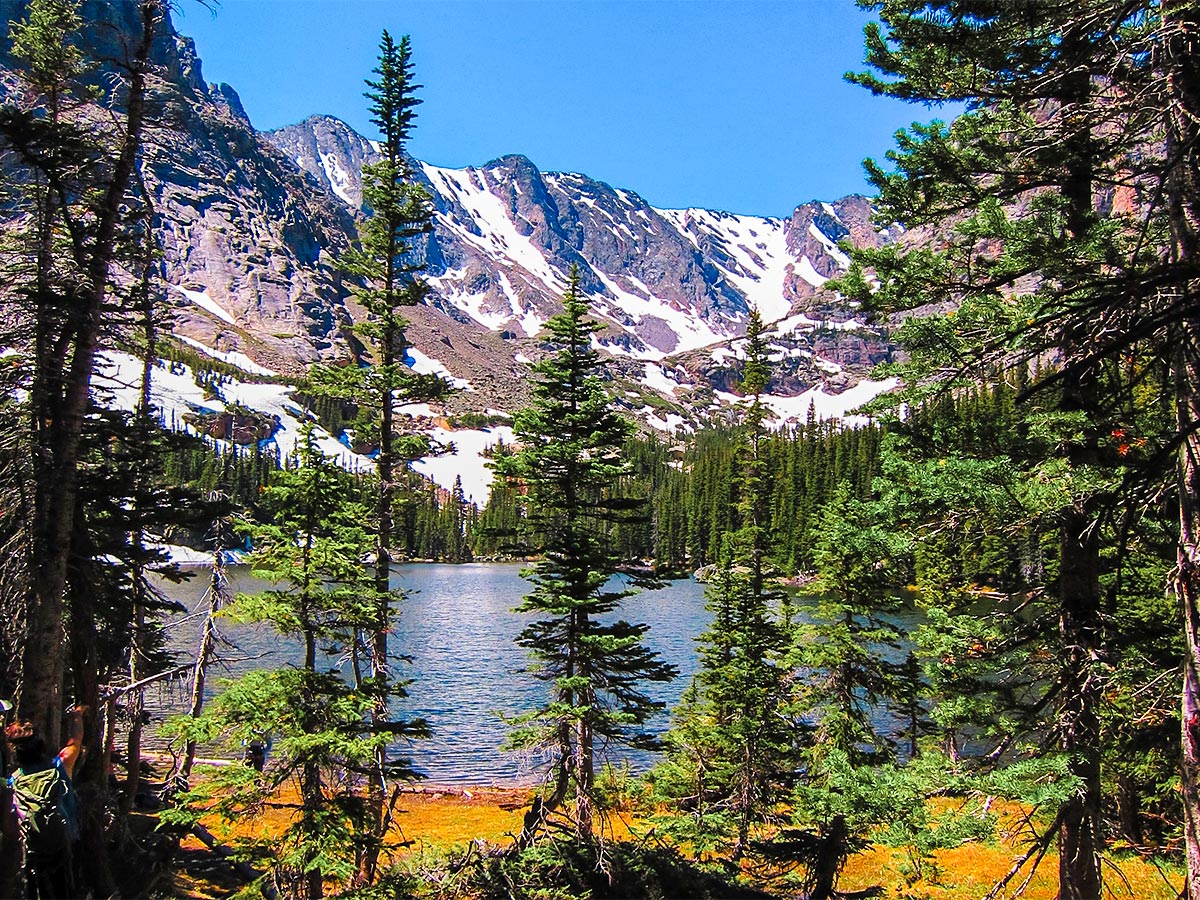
(433, 822)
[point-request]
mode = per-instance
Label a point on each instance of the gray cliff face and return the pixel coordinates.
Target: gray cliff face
(241, 228)
(253, 225)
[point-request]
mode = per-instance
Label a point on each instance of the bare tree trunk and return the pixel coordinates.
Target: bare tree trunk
(1078, 585)
(1078, 721)
(138, 648)
(1180, 27)
(585, 777)
(59, 445)
(218, 590)
(376, 784)
(135, 705)
(827, 864)
(1129, 810)
(90, 778)
(1187, 590)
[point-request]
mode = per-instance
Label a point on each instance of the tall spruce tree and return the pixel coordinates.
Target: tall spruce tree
(731, 748)
(1057, 247)
(72, 174)
(318, 714)
(386, 269)
(569, 459)
(73, 178)
(845, 649)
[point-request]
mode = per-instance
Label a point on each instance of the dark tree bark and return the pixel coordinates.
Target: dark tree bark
(61, 421)
(1181, 75)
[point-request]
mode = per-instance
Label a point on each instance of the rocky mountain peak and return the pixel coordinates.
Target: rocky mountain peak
(221, 93)
(506, 235)
(330, 152)
(254, 224)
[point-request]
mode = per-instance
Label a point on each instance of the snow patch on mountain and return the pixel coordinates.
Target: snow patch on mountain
(670, 423)
(830, 245)
(426, 365)
(339, 178)
(175, 394)
(498, 234)
(468, 461)
(233, 357)
(791, 324)
(806, 271)
(656, 377)
(754, 253)
(688, 330)
(825, 406)
(207, 303)
(450, 287)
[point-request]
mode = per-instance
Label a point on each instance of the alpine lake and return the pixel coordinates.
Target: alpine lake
(456, 635)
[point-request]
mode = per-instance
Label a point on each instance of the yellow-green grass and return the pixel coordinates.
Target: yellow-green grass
(430, 819)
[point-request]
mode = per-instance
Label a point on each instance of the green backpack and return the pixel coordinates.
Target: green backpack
(45, 802)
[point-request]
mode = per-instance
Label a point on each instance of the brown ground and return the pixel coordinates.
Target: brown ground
(426, 817)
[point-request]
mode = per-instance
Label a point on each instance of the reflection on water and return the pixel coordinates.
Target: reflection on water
(457, 628)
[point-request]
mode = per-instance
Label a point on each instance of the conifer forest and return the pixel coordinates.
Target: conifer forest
(951, 644)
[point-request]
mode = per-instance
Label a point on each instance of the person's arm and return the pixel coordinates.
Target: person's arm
(69, 755)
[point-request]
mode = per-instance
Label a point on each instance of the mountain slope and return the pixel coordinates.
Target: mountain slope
(666, 281)
(253, 224)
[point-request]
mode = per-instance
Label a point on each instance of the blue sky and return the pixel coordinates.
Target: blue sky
(737, 105)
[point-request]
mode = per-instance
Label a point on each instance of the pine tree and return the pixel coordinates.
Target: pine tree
(386, 268)
(570, 458)
(73, 185)
(731, 746)
(73, 178)
(845, 651)
(319, 717)
(1043, 189)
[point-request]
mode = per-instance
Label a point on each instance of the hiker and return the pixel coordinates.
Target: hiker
(44, 801)
(10, 834)
(256, 755)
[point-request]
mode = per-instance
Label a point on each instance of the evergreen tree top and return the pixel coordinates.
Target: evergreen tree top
(571, 409)
(393, 100)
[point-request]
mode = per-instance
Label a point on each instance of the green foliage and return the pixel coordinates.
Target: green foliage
(566, 870)
(845, 648)
(321, 720)
(862, 797)
(568, 463)
(45, 42)
(689, 489)
(731, 747)
(1043, 271)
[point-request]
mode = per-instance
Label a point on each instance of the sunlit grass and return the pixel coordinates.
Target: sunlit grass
(438, 820)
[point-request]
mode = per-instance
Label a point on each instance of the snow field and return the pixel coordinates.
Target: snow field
(207, 303)
(426, 365)
(233, 357)
(339, 179)
(175, 393)
(758, 245)
(826, 406)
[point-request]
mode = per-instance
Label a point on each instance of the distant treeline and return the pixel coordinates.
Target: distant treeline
(687, 480)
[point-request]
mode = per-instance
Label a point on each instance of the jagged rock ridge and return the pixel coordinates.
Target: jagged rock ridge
(253, 224)
(667, 281)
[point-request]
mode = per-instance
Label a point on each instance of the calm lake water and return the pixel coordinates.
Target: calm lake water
(457, 626)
